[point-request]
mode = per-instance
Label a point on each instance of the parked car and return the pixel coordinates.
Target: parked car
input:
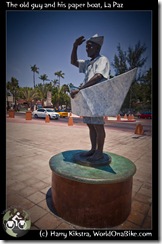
(42, 112)
(62, 113)
(145, 115)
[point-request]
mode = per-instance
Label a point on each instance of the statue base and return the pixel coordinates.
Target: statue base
(92, 196)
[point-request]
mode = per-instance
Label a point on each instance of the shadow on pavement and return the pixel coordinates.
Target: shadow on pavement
(50, 203)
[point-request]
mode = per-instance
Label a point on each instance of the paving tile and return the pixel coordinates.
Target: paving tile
(65, 226)
(9, 181)
(48, 179)
(145, 191)
(143, 198)
(31, 181)
(150, 212)
(45, 190)
(136, 218)
(27, 191)
(147, 224)
(127, 225)
(48, 221)
(36, 197)
(140, 207)
(41, 175)
(40, 185)
(22, 177)
(36, 213)
(138, 182)
(33, 227)
(133, 194)
(16, 200)
(17, 186)
(136, 188)
(43, 204)
(146, 176)
(147, 185)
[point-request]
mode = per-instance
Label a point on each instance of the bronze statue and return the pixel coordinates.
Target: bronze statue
(96, 70)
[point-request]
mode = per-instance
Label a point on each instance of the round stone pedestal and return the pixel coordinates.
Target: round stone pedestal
(92, 196)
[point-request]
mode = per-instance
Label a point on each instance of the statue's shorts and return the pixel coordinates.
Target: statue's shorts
(94, 120)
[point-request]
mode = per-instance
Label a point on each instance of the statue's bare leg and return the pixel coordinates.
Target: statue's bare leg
(100, 138)
(93, 139)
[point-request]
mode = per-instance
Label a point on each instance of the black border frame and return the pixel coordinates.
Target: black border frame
(128, 5)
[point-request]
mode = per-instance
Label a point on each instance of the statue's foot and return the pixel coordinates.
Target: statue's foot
(96, 156)
(87, 154)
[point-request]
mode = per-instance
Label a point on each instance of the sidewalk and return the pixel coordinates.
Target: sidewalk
(31, 144)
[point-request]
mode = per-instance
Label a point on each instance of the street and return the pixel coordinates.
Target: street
(111, 122)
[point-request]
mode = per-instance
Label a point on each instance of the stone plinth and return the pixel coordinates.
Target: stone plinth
(28, 115)
(11, 113)
(93, 197)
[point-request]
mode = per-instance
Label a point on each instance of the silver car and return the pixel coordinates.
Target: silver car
(42, 112)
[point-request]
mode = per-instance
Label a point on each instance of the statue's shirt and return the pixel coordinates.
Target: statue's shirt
(99, 65)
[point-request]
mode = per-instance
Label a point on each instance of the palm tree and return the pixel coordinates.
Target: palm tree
(42, 92)
(55, 83)
(34, 69)
(59, 74)
(28, 94)
(44, 77)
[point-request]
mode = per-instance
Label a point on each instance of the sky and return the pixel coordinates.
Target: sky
(45, 38)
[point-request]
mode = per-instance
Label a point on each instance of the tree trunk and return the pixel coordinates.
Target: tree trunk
(34, 79)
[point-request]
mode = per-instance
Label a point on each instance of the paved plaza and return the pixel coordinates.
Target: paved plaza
(31, 143)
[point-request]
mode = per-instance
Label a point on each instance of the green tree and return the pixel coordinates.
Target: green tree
(120, 61)
(146, 85)
(59, 74)
(34, 69)
(60, 96)
(127, 60)
(135, 56)
(13, 87)
(65, 88)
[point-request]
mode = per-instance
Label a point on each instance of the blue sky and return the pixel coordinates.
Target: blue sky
(45, 38)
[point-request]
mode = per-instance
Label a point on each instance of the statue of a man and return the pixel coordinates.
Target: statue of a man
(96, 70)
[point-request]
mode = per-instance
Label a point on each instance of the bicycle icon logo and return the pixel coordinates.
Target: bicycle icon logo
(17, 221)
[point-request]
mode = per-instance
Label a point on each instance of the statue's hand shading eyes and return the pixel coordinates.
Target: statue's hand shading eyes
(79, 41)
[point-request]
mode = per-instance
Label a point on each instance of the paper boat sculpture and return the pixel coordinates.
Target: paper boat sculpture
(105, 98)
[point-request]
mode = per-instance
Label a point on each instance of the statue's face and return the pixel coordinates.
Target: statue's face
(92, 49)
